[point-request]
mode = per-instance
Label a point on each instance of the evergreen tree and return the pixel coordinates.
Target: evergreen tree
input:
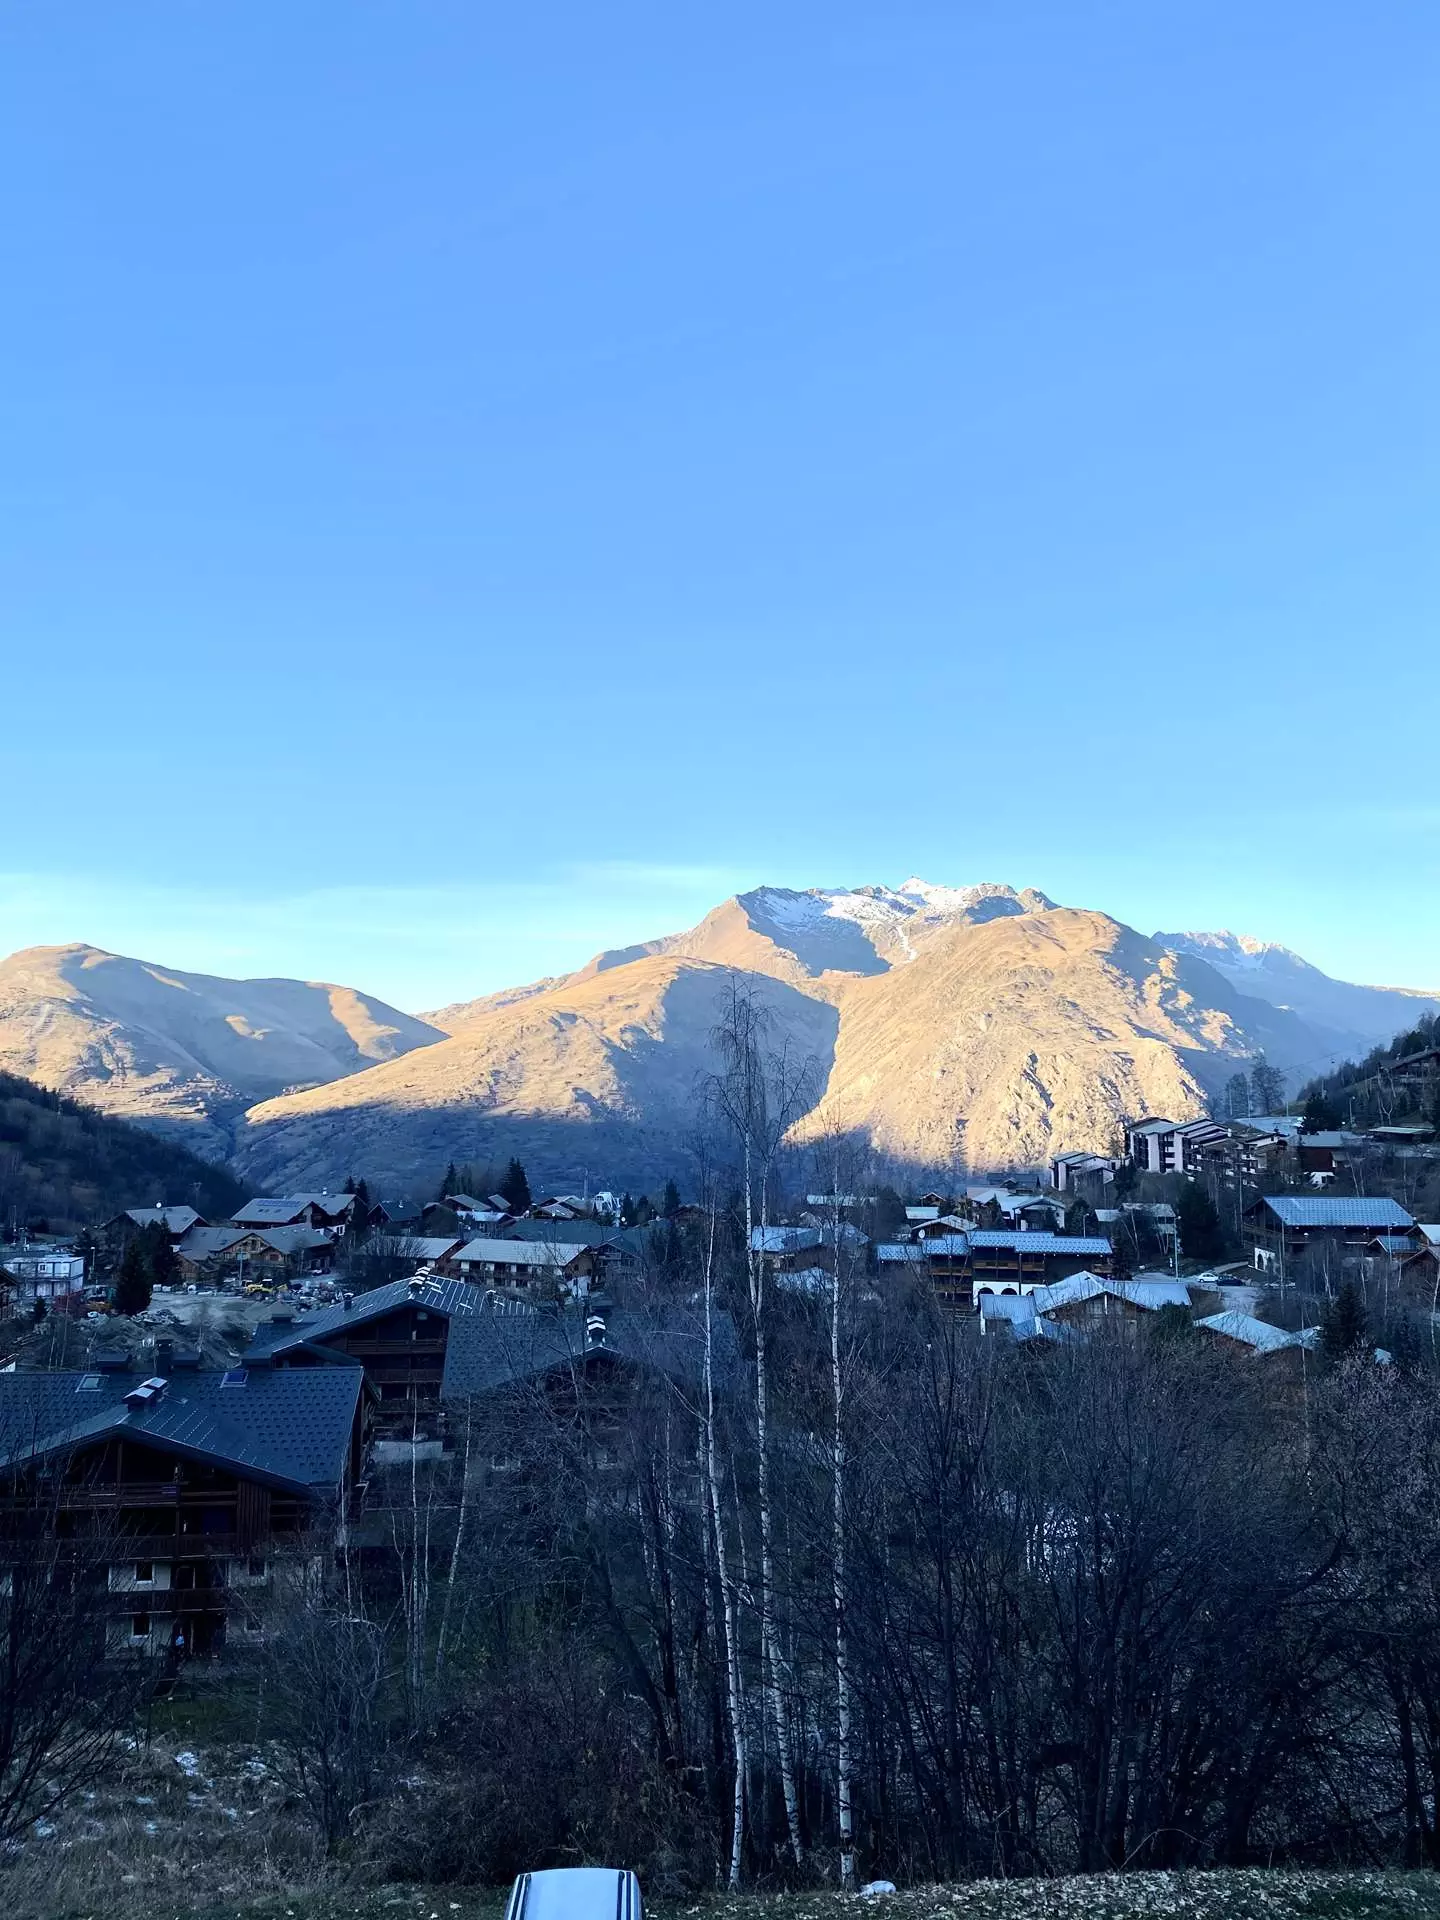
(1201, 1235)
(670, 1200)
(1321, 1113)
(362, 1202)
(447, 1185)
(627, 1211)
(515, 1188)
(1078, 1218)
(674, 1252)
(1342, 1326)
(160, 1256)
(133, 1282)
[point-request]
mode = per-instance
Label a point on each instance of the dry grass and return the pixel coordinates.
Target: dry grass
(190, 1832)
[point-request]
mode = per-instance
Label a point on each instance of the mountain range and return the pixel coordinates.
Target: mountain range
(955, 1027)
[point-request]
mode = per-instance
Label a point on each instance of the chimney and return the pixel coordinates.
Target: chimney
(595, 1330)
(164, 1356)
(147, 1393)
(348, 1301)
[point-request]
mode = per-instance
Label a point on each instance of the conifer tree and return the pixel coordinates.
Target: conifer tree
(515, 1188)
(670, 1200)
(447, 1184)
(1342, 1327)
(133, 1283)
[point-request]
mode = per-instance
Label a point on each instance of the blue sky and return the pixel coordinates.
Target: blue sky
(479, 484)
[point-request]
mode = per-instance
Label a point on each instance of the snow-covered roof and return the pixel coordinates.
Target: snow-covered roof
(922, 1213)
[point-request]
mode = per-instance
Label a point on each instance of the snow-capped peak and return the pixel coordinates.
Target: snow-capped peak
(859, 928)
(1236, 950)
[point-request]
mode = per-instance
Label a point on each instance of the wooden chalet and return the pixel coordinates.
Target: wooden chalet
(397, 1334)
(190, 1500)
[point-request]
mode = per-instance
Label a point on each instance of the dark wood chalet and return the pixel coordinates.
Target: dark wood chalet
(191, 1501)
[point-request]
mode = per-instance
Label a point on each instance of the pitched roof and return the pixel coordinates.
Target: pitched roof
(1330, 1210)
(521, 1253)
(176, 1220)
(1395, 1243)
(287, 1427)
(412, 1246)
(450, 1297)
(279, 1210)
(497, 1347)
(561, 1233)
(1258, 1334)
(1034, 1242)
(784, 1239)
(203, 1243)
(295, 1239)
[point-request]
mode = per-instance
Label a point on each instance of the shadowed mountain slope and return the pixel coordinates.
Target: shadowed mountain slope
(1001, 1041)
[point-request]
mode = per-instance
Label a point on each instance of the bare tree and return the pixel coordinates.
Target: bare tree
(761, 1091)
(325, 1671)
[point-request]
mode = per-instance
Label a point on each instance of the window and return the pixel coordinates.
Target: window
(256, 1569)
(144, 1573)
(139, 1626)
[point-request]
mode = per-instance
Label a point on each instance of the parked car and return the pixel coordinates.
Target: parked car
(576, 1893)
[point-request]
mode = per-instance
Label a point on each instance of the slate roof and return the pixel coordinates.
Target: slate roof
(1395, 1243)
(203, 1243)
(1018, 1313)
(561, 1233)
(1329, 1210)
(1058, 1243)
(287, 1427)
(412, 1246)
(497, 1347)
(295, 1239)
(521, 1253)
(175, 1220)
(279, 1210)
(450, 1297)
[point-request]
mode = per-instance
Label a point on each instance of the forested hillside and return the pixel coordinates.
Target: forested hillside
(1393, 1084)
(63, 1165)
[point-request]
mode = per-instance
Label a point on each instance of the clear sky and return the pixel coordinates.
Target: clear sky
(480, 483)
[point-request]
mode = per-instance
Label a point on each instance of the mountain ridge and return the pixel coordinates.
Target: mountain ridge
(981, 1024)
(184, 1052)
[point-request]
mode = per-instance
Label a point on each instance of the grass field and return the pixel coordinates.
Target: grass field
(1252, 1895)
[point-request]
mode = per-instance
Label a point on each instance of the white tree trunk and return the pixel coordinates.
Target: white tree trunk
(843, 1758)
(722, 1568)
